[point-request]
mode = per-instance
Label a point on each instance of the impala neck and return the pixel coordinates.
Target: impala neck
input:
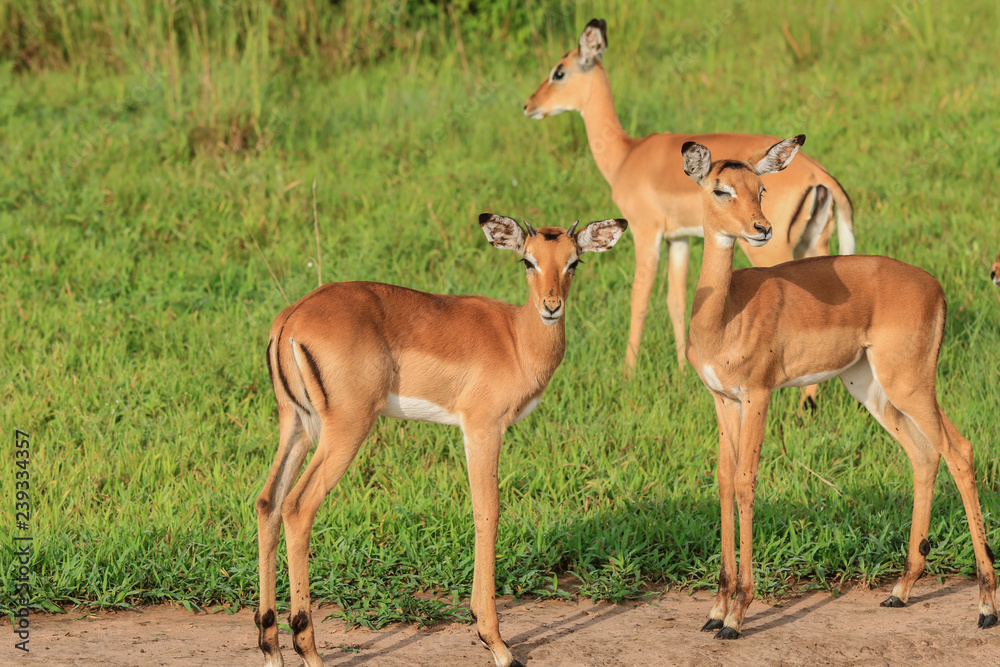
(540, 347)
(608, 142)
(709, 310)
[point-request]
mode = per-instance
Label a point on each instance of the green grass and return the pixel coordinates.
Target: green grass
(140, 180)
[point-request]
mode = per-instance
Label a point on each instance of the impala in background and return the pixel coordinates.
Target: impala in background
(662, 204)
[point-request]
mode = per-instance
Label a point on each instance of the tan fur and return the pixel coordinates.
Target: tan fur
(337, 355)
(995, 271)
(661, 203)
(874, 321)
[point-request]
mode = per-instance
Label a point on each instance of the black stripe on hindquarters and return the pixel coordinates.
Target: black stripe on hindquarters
(798, 210)
(314, 368)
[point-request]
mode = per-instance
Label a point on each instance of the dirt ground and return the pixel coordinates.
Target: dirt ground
(937, 627)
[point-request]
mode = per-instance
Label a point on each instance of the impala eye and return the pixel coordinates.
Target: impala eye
(558, 74)
(572, 267)
(721, 193)
(528, 264)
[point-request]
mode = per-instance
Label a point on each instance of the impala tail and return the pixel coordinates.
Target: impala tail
(845, 216)
(816, 216)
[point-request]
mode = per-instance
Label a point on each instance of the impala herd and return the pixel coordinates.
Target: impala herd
(348, 352)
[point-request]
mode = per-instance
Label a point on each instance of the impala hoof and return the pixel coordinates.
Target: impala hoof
(892, 601)
(712, 625)
(727, 633)
(987, 621)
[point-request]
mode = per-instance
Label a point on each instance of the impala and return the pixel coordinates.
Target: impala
(661, 204)
(995, 271)
(873, 321)
(349, 352)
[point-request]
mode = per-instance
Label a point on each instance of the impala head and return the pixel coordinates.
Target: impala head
(732, 189)
(995, 271)
(568, 85)
(550, 255)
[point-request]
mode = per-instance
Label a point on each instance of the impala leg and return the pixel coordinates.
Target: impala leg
(957, 452)
(924, 459)
(963, 468)
(647, 259)
(293, 446)
(482, 452)
(807, 398)
(677, 271)
(728, 413)
(921, 408)
(753, 418)
(339, 441)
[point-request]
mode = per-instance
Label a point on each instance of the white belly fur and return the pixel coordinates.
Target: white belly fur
(528, 409)
(417, 409)
(816, 378)
(709, 377)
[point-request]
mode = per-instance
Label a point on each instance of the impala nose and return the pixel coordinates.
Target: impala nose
(551, 309)
(761, 229)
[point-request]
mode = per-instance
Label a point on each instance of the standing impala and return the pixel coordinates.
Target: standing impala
(662, 204)
(349, 352)
(874, 322)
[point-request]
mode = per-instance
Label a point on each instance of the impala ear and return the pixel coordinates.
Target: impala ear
(593, 42)
(600, 235)
(697, 160)
(778, 156)
(503, 233)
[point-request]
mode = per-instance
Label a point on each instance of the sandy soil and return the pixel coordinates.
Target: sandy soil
(937, 627)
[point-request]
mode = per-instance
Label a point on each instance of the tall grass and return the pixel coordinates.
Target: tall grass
(153, 158)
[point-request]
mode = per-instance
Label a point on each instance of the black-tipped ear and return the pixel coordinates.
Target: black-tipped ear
(502, 232)
(778, 156)
(593, 42)
(601, 25)
(697, 160)
(601, 235)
